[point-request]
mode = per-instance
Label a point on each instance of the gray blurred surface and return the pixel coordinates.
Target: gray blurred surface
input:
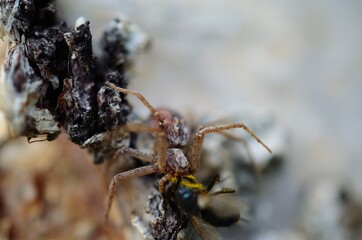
(300, 60)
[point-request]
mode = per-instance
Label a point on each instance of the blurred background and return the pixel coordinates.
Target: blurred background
(299, 61)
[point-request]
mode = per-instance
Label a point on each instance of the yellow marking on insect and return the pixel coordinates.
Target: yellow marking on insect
(193, 184)
(188, 181)
(190, 178)
(173, 179)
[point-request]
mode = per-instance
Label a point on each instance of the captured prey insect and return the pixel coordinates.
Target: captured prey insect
(177, 156)
(202, 208)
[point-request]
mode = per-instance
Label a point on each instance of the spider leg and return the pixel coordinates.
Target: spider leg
(160, 149)
(137, 172)
(136, 94)
(139, 127)
(199, 137)
(250, 156)
(163, 181)
(161, 143)
(131, 152)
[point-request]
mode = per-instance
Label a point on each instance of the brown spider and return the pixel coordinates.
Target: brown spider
(175, 155)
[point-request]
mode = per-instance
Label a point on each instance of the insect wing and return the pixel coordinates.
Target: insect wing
(203, 229)
(222, 210)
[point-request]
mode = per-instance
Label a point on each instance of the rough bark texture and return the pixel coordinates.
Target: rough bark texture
(80, 108)
(166, 222)
(52, 81)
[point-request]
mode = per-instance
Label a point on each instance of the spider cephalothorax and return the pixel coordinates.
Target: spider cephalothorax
(174, 126)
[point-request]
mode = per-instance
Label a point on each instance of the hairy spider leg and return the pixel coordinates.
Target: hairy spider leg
(137, 172)
(131, 152)
(160, 146)
(136, 94)
(140, 127)
(159, 157)
(250, 156)
(160, 149)
(199, 137)
(163, 181)
(161, 143)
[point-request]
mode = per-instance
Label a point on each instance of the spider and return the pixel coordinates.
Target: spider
(176, 155)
